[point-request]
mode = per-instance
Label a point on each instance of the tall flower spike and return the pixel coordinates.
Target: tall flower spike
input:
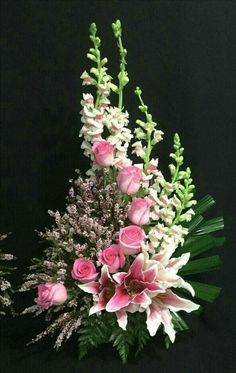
(123, 74)
(146, 131)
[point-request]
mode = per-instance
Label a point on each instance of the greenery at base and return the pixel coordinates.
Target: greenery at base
(96, 330)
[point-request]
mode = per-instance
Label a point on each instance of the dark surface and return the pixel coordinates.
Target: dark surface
(182, 54)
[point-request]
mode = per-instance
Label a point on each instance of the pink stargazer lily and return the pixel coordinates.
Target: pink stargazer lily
(105, 289)
(167, 269)
(136, 287)
(159, 312)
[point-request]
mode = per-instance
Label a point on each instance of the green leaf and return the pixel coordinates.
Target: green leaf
(93, 331)
(205, 292)
(194, 223)
(209, 226)
(178, 322)
(122, 341)
(204, 204)
(197, 245)
(210, 263)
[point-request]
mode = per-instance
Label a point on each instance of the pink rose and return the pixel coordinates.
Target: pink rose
(51, 294)
(103, 153)
(84, 270)
(129, 179)
(113, 257)
(139, 210)
(130, 239)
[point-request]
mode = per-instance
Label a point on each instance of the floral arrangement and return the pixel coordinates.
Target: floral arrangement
(6, 290)
(119, 258)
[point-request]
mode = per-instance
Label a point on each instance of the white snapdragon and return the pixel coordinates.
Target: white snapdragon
(87, 79)
(139, 150)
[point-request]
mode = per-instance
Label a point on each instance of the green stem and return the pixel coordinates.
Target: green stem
(99, 66)
(121, 75)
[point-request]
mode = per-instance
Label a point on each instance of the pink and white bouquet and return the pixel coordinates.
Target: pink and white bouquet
(119, 259)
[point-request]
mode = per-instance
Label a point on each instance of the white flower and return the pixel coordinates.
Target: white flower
(158, 135)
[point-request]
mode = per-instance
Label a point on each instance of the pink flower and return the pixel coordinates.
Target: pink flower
(129, 179)
(105, 289)
(139, 210)
(51, 294)
(130, 239)
(84, 270)
(136, 287)
(158, 312)
(113, 257)
(103, 153)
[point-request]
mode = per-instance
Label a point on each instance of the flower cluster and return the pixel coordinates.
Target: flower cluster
(5, 285)
(117, 254)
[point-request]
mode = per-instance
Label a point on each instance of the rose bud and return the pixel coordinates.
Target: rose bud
(84, 270)
(103, 153)
(130, 239)
(51, 294)
(139, 210)
(129, 179)
(113, 257)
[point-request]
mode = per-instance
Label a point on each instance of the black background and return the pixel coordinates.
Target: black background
(182, 54)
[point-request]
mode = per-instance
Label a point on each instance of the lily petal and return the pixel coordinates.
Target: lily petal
(153, 318)
(166, 320)
(101, 305)
(91, 287)
(136, 267)
(105, 277)
(176, 303)
(119, 277)
(142, 298)
(119, 300)
(150, 274)
(122, 319)
(177, 263)
(185, 285)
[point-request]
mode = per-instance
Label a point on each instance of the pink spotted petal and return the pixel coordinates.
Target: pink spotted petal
(101, 305)
(119, 300)
(122, 319)
(105, 277)
(150, 274)
(91, 287)
(119, 277)
(142, 299)
(136, 267)
(175, 303)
